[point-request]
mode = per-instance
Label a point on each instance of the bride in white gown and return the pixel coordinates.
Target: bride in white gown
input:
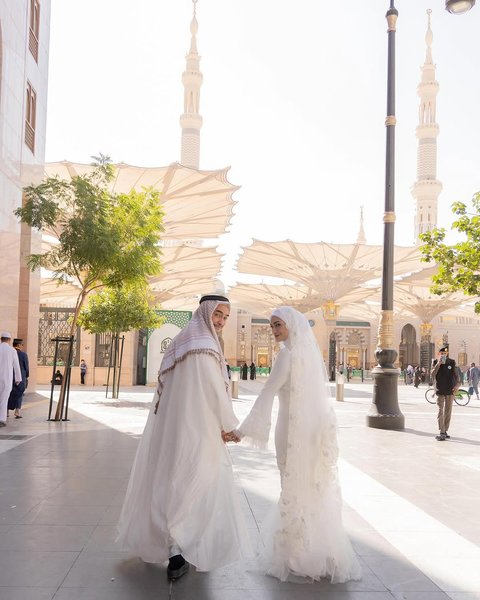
(308, 539)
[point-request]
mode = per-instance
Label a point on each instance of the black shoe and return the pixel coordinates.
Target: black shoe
(441, 437)
(447, 437)
(177, 567)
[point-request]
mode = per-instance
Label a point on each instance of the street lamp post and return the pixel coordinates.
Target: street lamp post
(385, 412)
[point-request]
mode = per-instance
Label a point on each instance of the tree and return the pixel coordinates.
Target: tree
(458, 264)
(118, 310)
(100, 238)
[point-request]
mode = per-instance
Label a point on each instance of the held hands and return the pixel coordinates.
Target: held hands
(230, 436)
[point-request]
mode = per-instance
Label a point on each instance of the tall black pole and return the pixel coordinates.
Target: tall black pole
(384, 412)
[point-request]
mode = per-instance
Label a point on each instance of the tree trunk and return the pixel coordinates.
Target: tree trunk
(115, 360)
(119, 341)
(65, 386)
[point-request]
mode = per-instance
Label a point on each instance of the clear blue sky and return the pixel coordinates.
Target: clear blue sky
(294, 100)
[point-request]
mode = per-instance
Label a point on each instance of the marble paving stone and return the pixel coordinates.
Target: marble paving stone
(232, 577)
(368, 542)
(423, 596)
(4, 529)
(115, 570)
(399, 575)
(8, 444)
(16, 512)
(82, 457)
(120, 495)
(59, 514)
(77, 483)
(44, 569)
(302, 592)
(103, 540)
(53, 538)
(111, 515)
(112, 594)
(248, 576)
(82, 497)
(27, 593)
(106, 471)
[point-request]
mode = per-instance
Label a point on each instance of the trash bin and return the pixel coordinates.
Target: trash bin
(235, 377)
(339, 387)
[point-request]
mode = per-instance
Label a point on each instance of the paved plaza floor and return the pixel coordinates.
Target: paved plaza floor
(411, 504)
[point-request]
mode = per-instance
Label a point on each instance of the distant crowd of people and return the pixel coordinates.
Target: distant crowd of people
(245, 370)
(415, 375)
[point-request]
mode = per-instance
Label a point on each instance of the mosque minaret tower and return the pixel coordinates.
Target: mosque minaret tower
(191, 121)
(427, 188)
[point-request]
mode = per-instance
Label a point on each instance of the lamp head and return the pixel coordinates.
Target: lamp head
(457, 7)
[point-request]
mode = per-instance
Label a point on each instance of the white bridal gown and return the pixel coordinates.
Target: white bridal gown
(181, 496)
(305, 538)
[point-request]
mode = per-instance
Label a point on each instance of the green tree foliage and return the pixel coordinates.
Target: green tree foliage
(100, 238)
(458, 264)
(119, 310)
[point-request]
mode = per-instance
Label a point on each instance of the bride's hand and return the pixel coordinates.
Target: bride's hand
(230, 436)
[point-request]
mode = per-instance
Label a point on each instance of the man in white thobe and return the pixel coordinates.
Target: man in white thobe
(9, 371)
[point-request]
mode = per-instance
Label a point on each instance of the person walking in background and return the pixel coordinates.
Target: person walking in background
(83, 371)
(473, 377)
(417, 376)
(409, 374)
(446, 383)
(181, 504)
(9, 373)
(245, 371)
(423, 375)
(15, 399)
(253, 371)
(307, 538)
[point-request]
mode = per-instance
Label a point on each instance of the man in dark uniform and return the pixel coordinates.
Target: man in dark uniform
(446, 383)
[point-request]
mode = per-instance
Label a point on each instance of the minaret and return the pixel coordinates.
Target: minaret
(427, 188)
(361, 239)
(191, 121)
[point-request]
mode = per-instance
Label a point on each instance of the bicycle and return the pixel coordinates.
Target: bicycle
(462, 397)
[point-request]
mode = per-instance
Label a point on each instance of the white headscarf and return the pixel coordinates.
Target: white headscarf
(198, 336)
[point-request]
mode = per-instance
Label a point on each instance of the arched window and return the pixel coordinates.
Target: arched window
(34, 28)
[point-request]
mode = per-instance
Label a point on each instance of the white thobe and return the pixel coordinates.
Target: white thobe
(181, 496)
(9, 369)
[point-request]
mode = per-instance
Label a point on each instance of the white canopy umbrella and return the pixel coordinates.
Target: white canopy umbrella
(187, 272)
(346, 274)
(263, 298)
(197, 204)
(330, 271)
